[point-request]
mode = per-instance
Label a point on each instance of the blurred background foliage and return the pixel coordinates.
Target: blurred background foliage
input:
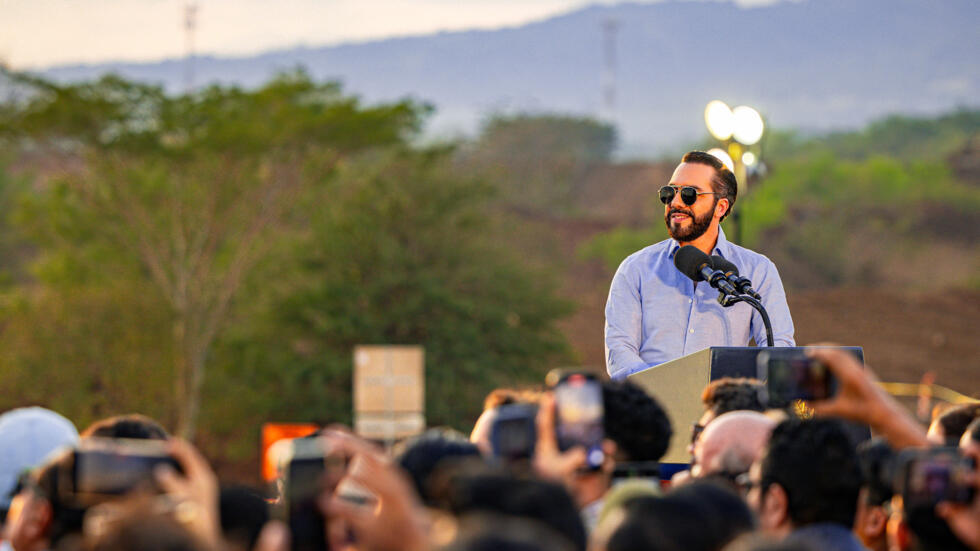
(211, 259)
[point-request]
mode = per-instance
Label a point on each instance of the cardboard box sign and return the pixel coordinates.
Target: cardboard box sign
(389, 391)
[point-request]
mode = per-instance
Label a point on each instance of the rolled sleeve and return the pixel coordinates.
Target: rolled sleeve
(624, 323)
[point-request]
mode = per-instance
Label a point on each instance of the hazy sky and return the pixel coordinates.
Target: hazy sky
(37, 33)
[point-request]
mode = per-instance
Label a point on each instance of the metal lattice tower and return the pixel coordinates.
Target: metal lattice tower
(610, 26)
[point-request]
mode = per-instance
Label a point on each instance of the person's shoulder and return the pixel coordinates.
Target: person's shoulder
(743, 255)
(646, 254)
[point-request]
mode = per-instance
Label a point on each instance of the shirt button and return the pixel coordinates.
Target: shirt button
(691, 331)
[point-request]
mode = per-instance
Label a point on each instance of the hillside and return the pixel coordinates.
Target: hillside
(812, 64)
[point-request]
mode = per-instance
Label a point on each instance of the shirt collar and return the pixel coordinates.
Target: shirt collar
(722, 246)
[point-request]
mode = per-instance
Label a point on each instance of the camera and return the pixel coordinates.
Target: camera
(105, 468)
(926, 477)
(514, 432)
(791, 375)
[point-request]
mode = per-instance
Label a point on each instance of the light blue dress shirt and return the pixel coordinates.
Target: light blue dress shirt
(655, 313)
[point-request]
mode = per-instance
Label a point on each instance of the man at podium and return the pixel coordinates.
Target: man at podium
(655, 313)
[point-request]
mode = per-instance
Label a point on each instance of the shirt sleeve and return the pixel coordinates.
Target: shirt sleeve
(624, 323)
(770, 287)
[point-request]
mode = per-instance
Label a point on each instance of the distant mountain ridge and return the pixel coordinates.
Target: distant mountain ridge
(813, 64)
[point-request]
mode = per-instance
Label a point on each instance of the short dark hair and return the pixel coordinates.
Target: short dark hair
(817, 466)
(699, 515)
(132, 425)
(724, 182)
(635, 421)
(504, 493)
(974, 430)
(423, 455)
(955, 420)
(874, 457)
(733, 394)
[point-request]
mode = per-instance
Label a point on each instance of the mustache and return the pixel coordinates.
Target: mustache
(675, 210)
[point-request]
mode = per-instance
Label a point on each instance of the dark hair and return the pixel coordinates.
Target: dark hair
(243, 511)
(492, 532)
(505, 494)
(635, 421)
(931, 532)
(723, 182)
(816, 464)
(733, 394)
(875, 457)
(133, 425)
(701, 516)
(974, 430)
(955, 420)
(426, 453)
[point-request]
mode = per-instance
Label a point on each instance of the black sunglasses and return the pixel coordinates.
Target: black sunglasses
(689, 194)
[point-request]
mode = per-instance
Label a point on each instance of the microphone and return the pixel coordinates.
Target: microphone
(743, 284)
(696, 265)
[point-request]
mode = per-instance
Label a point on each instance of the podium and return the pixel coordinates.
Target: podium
(678, 384)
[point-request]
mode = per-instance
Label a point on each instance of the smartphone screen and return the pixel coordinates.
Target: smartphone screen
(304, 481)
(934, 475)
(792, 376)
(579, 416)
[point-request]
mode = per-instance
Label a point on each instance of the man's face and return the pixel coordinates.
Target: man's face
(688, 222)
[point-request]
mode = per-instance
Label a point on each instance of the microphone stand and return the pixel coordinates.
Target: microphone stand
(728, 300)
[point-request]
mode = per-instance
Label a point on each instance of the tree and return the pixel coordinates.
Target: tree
(189, 190)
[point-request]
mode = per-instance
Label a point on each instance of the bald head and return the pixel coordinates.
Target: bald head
(732, 442)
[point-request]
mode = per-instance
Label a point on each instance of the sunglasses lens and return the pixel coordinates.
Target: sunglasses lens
(666, 194)
(689, 195)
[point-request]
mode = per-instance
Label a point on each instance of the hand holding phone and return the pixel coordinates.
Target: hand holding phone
(579, 416)
(791, 375)
(929, 476)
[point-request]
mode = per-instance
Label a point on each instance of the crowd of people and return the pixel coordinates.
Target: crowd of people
(759, 479)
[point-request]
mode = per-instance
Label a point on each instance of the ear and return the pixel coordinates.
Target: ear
(774, 514)
(609, 449)
(721, 207)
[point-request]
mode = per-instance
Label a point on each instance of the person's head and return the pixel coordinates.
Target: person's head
(492, 532)
(433, 449)
(808, 473)
(483, 490)
(724, 395)
(243, 512)
(700, 516)
(947, 428)
(970, 441)
(138, 524)
(731, 443)
(714, 195)
(39, 516)
(27, 437)
(635, 422)
(132, 425)
(871, 520)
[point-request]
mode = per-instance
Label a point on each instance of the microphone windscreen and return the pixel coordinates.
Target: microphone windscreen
(725, 266)
(689, 259)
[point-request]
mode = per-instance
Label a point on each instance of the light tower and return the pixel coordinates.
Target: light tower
(190, 27)
(610, 26)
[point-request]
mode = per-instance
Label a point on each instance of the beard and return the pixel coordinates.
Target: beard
(699, 225)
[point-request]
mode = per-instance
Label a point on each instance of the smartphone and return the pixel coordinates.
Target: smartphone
(928, 476)
(579, 416)
(305, 471)
(514, 432)
(104, 468)
(791, 375)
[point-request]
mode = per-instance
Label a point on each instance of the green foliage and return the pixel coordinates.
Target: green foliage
(924, 138)
(404, 253)
(613, 246)
(538, 160)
